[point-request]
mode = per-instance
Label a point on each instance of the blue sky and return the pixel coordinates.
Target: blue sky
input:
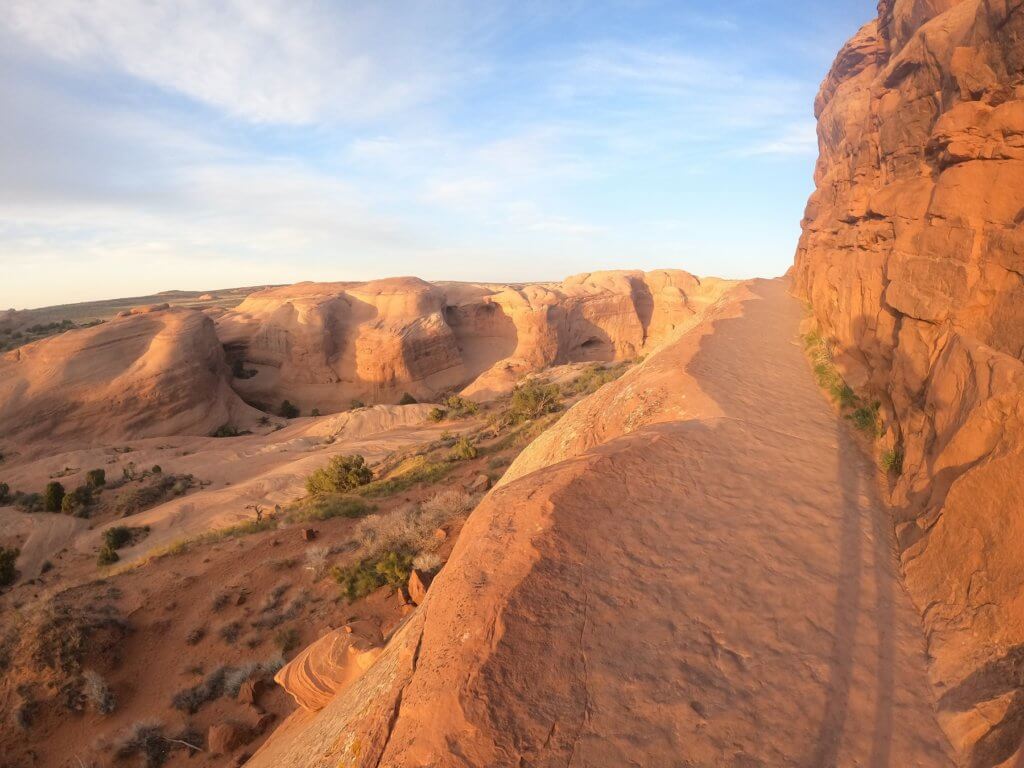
(196, 144)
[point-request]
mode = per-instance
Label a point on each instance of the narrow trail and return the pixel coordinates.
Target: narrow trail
(748, 610)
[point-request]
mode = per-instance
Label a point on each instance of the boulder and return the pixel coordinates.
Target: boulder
(329, 665)
(479, 484)
(419, 583)
(224, 738)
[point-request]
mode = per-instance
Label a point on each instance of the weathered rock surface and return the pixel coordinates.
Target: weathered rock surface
(333, 662)
(151, 373)
(707, 581)
(913, 260)
(322, 345)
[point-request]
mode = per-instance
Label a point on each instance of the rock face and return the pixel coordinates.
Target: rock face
(912, 257)
(151, 373)
(329, 665)
(323, 345)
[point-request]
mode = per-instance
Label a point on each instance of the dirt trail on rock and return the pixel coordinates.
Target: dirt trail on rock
(716, 590)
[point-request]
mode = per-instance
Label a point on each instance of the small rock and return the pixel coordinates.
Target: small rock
(251, 691)
(440, 534)
(309, 534)
(225, 738)
(419, 583)
(480, 484)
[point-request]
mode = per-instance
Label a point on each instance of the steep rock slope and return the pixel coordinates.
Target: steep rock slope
(708, 581)
(913, 260)
(324, 344)
(149, 373)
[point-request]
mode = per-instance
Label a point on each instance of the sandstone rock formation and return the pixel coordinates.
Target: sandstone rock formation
(329, 665)
(323, 345)
(913, 260)
(691, 570)
(151, 373)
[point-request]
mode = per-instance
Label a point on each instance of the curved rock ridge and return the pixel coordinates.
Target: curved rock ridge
(321, 345)
(320, 671)
(912, 258)
(704, 577)
(151, 373)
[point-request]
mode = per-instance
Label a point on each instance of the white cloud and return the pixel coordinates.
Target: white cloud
(795, 139)
(278, 61)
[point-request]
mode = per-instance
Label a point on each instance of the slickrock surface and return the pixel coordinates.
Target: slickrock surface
(151, 373)
(709, 581)
(322, 344)
(913, 259)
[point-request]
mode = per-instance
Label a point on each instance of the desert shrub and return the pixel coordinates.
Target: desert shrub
(355, 405)
(5, 493)
(288, 411)
(359, 580)
(95, 478)
(407, 399)
(315, 412)
(220, 601)
(343, 473)
(437, 414)
(117, 537)
(316, 561)
(192, 699)
(157, 469)
(410, 528)
(145, 740)
(595, 377)
(195, 635)
(463, 450)
(530, 400)
(447, 503)
(8, 557)
(286, 639)
(865, 418)
(53, 495)
(77, 502)
(327, 506)
(420, 470)
(225, 430)
(892, 460)
(107, 556)
(158, 489)
(230, 631)
(29, 502)
(427, 562)
(98, 693)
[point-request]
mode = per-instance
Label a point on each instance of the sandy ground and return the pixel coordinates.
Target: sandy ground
(719, 590)
(269, 469)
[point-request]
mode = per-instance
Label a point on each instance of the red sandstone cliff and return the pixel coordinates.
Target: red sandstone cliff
(912, 258)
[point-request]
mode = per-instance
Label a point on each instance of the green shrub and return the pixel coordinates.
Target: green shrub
(531, 400)
(5, 493)
(117, 537)
(463, 450)
(77, 502)
(288, 410)
(53, 496)
(330, 505)
(107, 556)
(315, 412)
(866, 419)
(94, 478)
(343, 473)
(407, 399)
(226, 430)
(892, 460)
(437, 414)
(359, 580)
(8, 557)
(157, 469)
(355, 405)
